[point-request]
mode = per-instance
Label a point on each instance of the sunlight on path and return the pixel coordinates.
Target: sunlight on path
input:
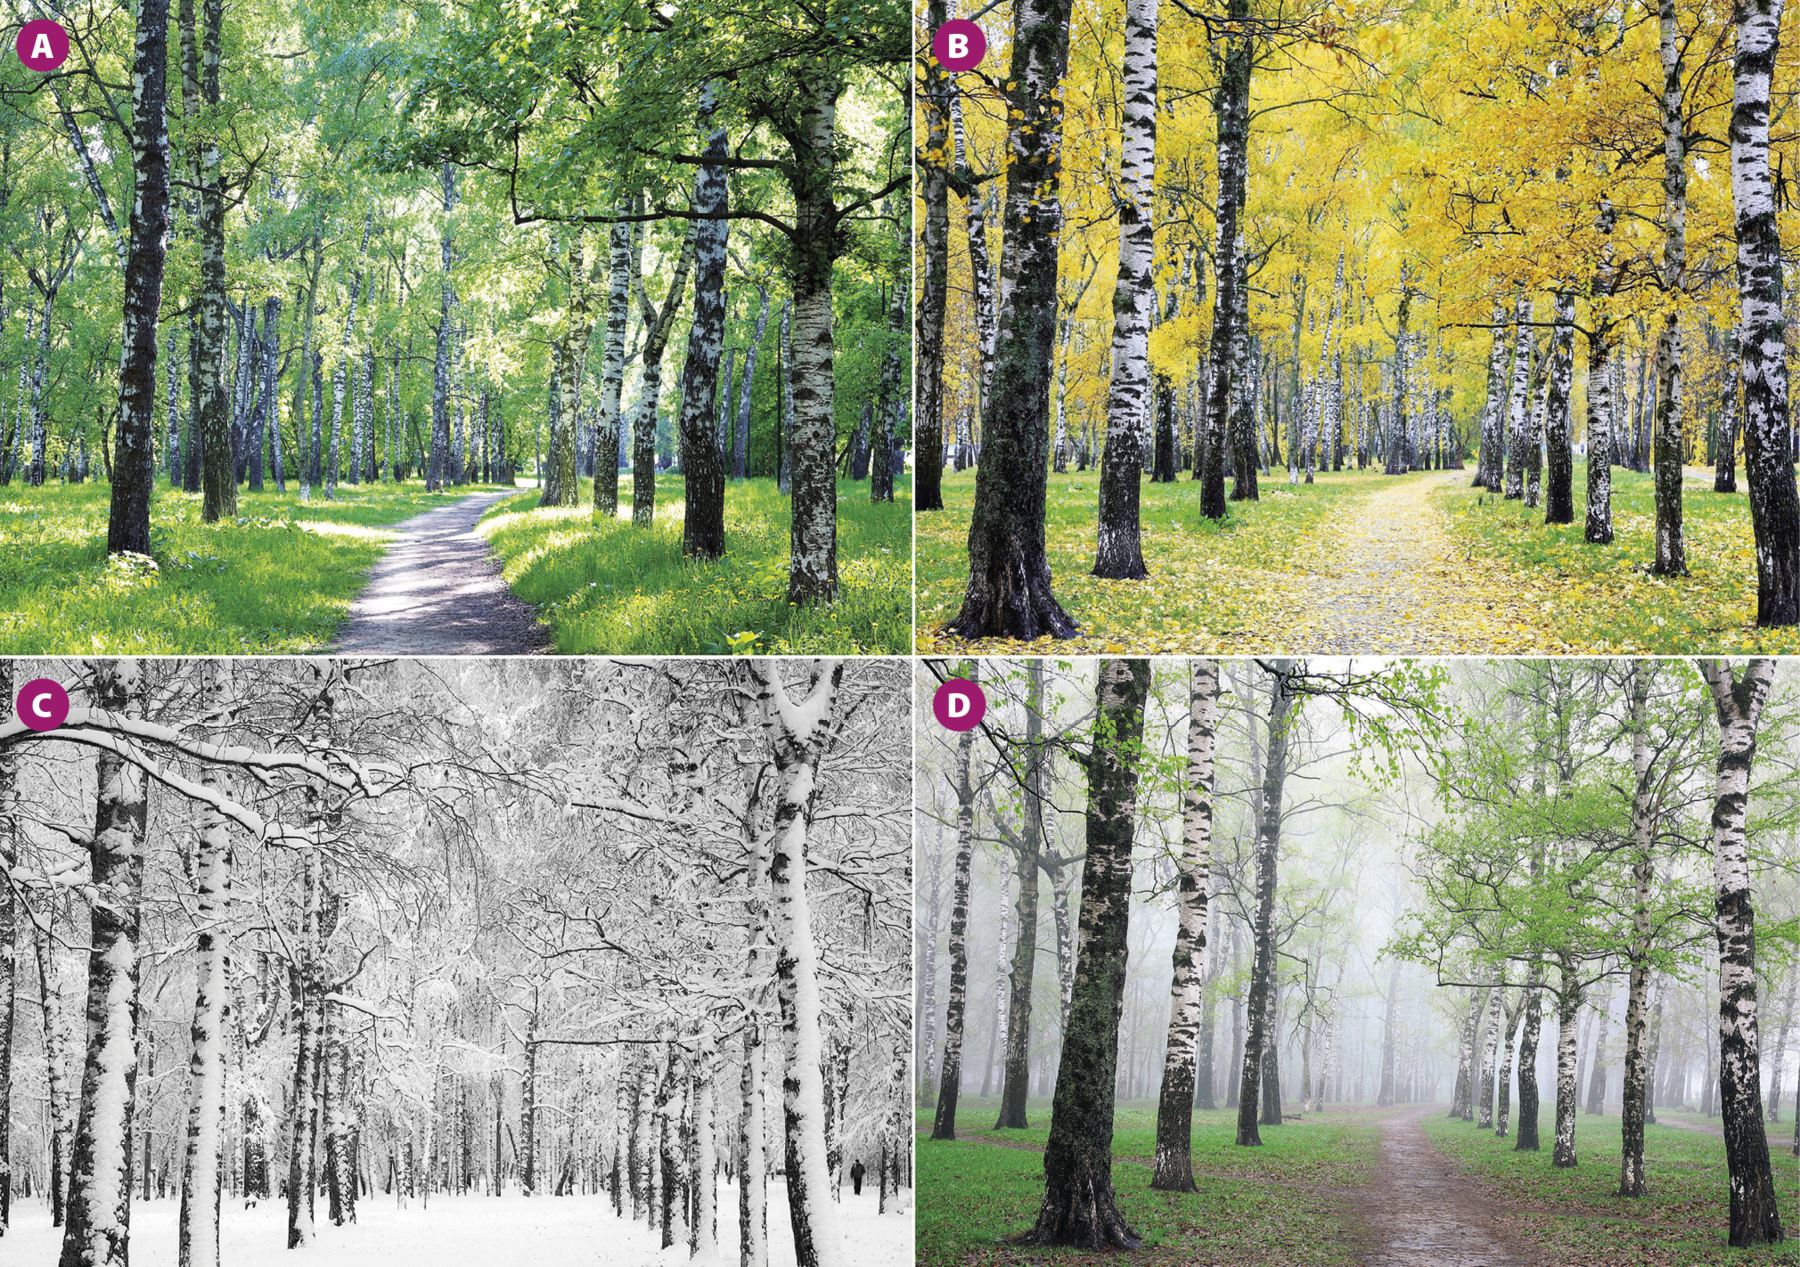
(1393, 581)
(438, 591)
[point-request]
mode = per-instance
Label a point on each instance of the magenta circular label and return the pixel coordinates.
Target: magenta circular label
(959, 45)
(43, 45)
(43, 704)
(959, 704)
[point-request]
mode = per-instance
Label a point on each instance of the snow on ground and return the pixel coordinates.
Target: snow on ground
(510, 1231)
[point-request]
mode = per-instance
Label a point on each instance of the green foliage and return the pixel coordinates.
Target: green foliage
(612, 588)
(278, 581)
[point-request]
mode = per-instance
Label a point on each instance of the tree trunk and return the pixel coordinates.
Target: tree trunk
(1671, 545)
(98, 1228)
(1009, 589)
(1518, 399)
(1024, 964)
(1079, 1207)
(1121, 555)
(134, 475)
(934, 281)
(950, 1083)
(440, 366)
(1562, 1152)
(1599, 525)
(1485, 1107)
(1490, 464)
(1175, 1109)
(1231, 107)
(1755, 1218)
(888, 407)
(799, 734)
(1768, 466)
(302, 1103)
(1559, 495)
(202, 1171)
(1268, 845)
(612, 381)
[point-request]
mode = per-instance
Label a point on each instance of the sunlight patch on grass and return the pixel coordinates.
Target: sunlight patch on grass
(605, 587)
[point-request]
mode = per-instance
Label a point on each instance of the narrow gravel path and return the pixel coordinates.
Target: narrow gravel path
(1399, 583)
(1421, 1212)
(438, 591)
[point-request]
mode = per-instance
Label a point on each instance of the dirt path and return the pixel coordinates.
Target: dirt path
(437, 591)
(1399, 583)
(1421, 1212)
(1717, 1131)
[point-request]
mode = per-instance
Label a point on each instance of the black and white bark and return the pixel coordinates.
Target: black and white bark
(1635, 1092)
(1667, 445)
(438, 468)
(134, 475)
(1739, 702)
(934, 279)
(956, 1004)
(1559, 494)
(612, 381)
(703, 528)
(1761, 332)
(1120, 554)
(1027, 843)
(1175, 1109)
(97, 1227)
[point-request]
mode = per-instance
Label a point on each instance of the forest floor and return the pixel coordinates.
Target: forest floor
(1412, 564)
(1401, 1187)
(1603, 599)
(278, 580)
(439, 591)
(609, 588)
(465, 1231)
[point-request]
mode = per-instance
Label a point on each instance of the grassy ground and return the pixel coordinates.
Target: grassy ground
(277, 581)
(1287, 1202)
(1602, 597)
(609, 588)
(1207, 577)
(1576, 1217)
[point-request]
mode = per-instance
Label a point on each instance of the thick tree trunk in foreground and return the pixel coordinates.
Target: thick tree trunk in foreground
(799, 732)
(1755, 1217)
(1762, 338)
(1079, 1207)
(1518, 400)
(950, 1083)
(812, 537)
(1009, 590)
(1120, 555)
(134, 474)
(212, 417)
(1175, 1110)
(562, 479)
(1268, 847)
(1485, 1105)
(703, 529)
(1024, 965)
(98, 1227)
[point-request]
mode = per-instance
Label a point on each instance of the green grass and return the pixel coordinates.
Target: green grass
(612, 589)
(1602, 598)
(977, 1190)
(1576, 1217)
(1210, 582)
(278, 580)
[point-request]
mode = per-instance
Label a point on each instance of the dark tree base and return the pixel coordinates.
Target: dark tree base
(1080, 1211)
(1016, 603)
